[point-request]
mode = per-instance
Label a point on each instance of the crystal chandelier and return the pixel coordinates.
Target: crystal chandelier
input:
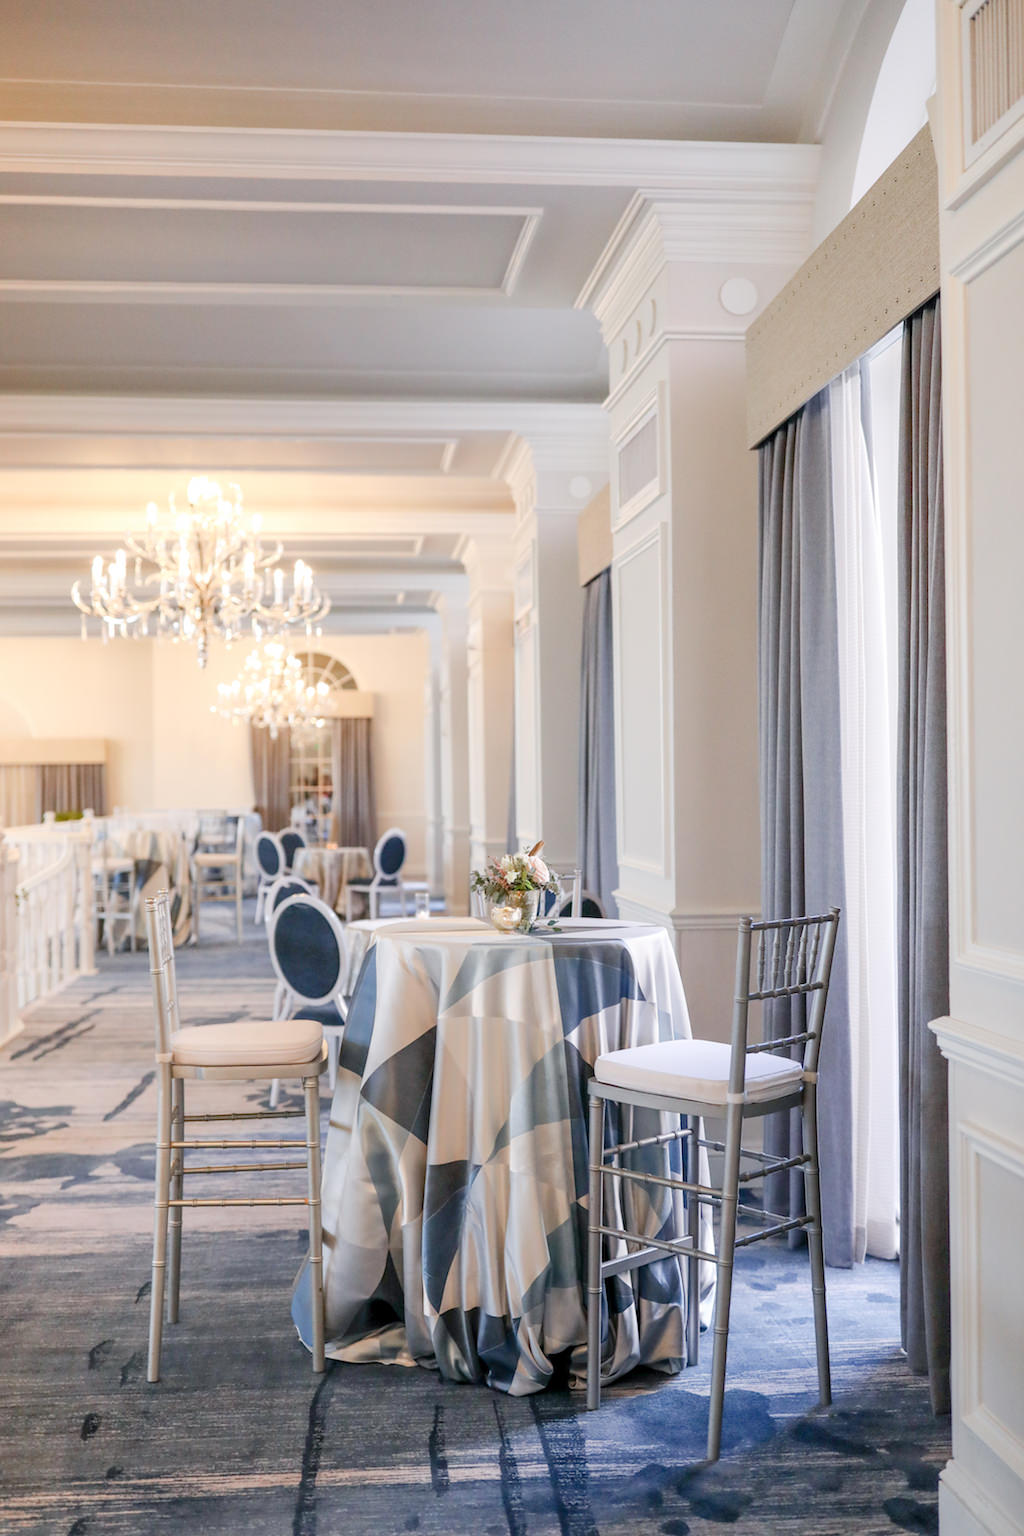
(205, 573)
(270, 692)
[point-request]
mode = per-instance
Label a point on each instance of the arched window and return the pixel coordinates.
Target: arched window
(311, 783)
(318, 667)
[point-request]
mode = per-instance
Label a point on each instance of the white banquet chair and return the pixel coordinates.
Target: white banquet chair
(292, 839)
(282, 888)
(698, 1078)
(113, 876)
(247, 1051)
(217, 876)
(388, 859)
(271, 865)
(308, 951)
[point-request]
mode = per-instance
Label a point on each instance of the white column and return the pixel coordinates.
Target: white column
(432, 766)
(491, 696)
(10, 1023)
(551, 480)
(684, 571)
(454, 754)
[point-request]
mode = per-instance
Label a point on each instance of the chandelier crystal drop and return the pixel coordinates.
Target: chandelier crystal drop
(271, 692)
(205, 572)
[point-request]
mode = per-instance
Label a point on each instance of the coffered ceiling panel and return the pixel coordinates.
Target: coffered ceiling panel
(234, 246)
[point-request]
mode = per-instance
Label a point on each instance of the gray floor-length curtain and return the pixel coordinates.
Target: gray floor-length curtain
(271, 776)
(354, 806)
(73, 787)
(597, 838)
(801, 790)
(923, 879)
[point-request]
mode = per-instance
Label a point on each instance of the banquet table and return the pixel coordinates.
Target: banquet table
(360, 934)
(456, 1166)
(330, 870)
(160, 856)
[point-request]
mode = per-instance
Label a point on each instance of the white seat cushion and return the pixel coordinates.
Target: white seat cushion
(696, 1069)
(248, 1043)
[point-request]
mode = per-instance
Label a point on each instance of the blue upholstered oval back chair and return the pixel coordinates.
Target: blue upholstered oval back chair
(292, 839)
(270, 862)
(310, 959)
(283, 887)
(388, 858)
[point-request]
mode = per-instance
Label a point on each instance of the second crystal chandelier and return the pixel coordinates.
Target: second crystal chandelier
(271, 692)
(206, 573)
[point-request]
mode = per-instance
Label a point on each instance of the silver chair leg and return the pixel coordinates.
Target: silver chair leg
(238, 905)
(311, 1085)
(161, 1197)
(177, 1186)
(692, 1164)
(595, 1289)
(726, 1248)
(812, 1197)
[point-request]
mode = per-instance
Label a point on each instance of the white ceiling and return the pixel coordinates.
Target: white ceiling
(338, 201)
(735, 69)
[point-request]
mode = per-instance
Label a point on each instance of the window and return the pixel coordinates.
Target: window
(311, 783)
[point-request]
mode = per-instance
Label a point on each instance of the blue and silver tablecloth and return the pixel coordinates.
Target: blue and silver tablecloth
(455, 1170)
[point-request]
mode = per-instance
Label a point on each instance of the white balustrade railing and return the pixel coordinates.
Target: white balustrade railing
(47, 929)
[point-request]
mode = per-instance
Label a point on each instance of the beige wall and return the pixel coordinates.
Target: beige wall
(58, 687)
(166, 749)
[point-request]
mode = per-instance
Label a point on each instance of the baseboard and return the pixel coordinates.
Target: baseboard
(965, 1509)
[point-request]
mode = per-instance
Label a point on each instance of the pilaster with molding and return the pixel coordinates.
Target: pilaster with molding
(454, 764)
(491, 693)
(674, 291)
(552, 476)
(980, 159)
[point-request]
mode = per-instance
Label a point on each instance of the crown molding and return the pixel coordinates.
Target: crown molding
(318, 155)
(749, 223)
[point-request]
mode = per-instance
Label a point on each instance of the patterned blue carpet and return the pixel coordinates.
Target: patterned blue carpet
(240, 1437)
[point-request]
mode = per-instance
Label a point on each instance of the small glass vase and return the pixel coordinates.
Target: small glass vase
(516, 913)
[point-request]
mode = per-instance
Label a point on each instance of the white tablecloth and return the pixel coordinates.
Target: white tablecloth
(456, 1167)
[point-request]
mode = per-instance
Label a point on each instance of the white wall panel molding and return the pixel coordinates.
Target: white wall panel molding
(965, 1508)
(294, 154)
(640, 454)
(643, 703)
(992, 1191)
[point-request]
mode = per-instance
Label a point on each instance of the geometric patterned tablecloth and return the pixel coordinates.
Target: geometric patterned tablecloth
(455, 1169)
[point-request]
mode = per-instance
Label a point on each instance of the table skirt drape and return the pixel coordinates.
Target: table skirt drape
(456, 1167)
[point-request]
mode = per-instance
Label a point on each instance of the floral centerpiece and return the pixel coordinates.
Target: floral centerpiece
(512, 887)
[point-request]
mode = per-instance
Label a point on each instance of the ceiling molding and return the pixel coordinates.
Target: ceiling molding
(247, 416)
(668, 165)
(245, 291)
(116, 291)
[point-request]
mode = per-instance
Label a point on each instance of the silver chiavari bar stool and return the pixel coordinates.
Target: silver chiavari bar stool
(243, 1052)
(698, 1078)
